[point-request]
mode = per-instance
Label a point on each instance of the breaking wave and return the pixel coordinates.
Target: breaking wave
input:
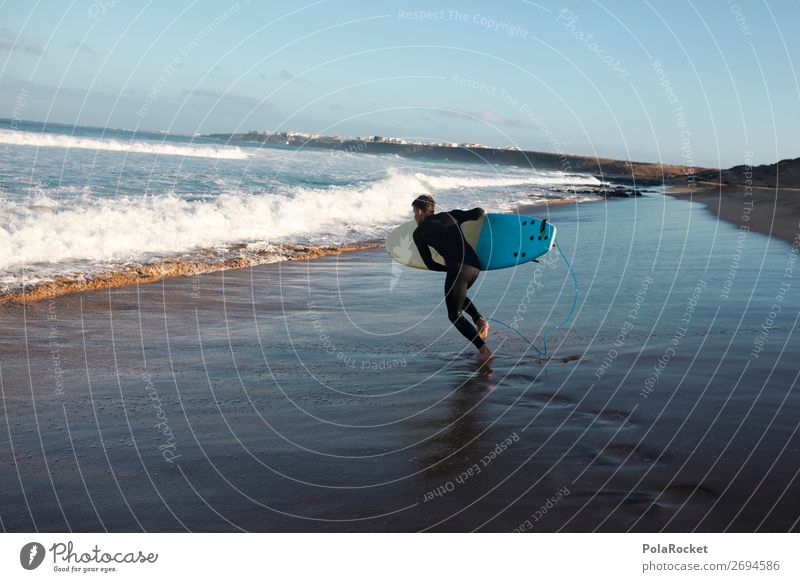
(53, 140)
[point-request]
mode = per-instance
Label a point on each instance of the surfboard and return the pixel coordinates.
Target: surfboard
(500, 241)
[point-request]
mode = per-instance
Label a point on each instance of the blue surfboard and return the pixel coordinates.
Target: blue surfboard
(500, 241)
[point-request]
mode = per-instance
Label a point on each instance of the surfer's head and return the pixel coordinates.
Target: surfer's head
(423, 206)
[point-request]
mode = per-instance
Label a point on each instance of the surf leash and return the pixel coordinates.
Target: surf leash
(543, 352)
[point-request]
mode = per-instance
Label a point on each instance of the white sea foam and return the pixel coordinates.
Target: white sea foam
(62, 229)
(69, 230)
(76, 231)
(55, 140)
(500, 181)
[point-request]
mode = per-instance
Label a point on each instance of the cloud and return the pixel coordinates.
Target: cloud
(491, 117)
(84, 50)
(227, 97)
(283, 75)
(487, 116)
(13, 42)
(48, 92)
(63, 98)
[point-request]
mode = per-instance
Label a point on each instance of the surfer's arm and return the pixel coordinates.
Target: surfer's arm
(425, 252)
(465, 215)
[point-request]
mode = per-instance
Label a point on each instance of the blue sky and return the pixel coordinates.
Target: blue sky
(708, 83)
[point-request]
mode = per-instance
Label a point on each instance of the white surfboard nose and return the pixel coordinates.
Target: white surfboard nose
(552, 236)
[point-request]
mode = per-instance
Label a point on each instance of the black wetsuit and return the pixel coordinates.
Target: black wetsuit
(443, 232)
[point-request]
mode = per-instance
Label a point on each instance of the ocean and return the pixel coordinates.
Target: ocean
(78, 202)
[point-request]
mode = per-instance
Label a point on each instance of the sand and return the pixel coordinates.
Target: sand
(334, 395)
(169, 268)
(774, 211)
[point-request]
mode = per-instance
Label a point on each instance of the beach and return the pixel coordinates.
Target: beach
(768, 210)
(334, 395)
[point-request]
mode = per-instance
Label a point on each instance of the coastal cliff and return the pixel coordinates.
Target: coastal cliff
(605, 168)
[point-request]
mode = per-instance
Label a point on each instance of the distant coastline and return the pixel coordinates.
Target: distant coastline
(603, 168)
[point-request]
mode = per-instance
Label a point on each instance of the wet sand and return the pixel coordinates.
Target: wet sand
(773, 211)
(168, 268)
(334, 395)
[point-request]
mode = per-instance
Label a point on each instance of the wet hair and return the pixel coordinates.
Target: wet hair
(424, 202)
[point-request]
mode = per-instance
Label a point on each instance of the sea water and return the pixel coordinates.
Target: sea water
(79, 201)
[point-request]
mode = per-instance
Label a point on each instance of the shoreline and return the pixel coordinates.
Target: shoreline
(726, 202)
(180, 270)
(174, 268)
(771, 211)
(168, 269)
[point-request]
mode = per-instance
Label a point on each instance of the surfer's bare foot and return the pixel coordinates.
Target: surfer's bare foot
(483, 328)
(484, 354)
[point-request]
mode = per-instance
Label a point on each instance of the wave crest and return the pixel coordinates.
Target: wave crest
(534, 179)
(54, 140)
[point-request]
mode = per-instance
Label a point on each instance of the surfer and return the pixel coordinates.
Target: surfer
(443, 232)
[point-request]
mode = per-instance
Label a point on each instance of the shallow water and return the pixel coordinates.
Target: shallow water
(334, 395)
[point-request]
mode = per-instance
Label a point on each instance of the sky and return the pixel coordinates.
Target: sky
(711, 83)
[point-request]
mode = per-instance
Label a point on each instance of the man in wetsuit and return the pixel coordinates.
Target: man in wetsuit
(443, 232)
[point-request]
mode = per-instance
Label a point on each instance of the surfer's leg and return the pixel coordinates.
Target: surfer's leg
(471, 275)
(469, 307)
(455, 294)
(480, 322)
(471, 310)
